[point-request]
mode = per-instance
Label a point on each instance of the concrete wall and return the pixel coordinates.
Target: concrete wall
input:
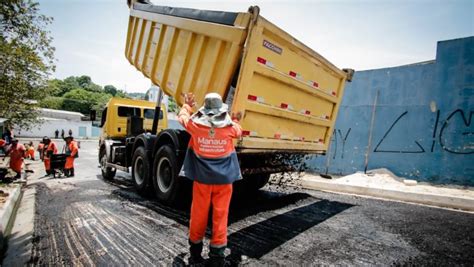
(423, 126)
(80, 129)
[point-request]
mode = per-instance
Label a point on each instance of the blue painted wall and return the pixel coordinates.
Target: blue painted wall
(423, 123)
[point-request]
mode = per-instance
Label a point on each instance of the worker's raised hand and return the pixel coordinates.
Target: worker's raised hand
(237, 116)
(189, 99)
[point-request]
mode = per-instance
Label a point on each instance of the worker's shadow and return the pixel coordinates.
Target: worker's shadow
(255, 240)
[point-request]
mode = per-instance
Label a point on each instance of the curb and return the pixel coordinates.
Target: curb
(20, 239)
(6, 214)
(420, 198)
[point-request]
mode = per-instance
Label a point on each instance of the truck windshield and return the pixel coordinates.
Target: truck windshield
(128, 111)
(150, 113)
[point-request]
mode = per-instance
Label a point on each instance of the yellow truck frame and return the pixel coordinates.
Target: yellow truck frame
(289, 95)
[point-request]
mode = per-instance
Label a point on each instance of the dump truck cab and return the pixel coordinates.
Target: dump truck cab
(123, 121)
(118, 112)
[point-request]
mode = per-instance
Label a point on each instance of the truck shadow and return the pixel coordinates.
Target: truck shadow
(277, 230)
(255, 240)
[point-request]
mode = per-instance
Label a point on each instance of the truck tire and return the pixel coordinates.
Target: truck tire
(256, 181)
(107, 172)
(141, 171)
(166, 181)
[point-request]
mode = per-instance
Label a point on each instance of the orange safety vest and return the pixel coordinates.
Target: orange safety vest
(211, 156)
(72, 152)
(17, 153)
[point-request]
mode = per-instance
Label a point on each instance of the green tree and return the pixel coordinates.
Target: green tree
(78, 100)
(54, 87)
(139, 96)
(27, 59)
(110, 89)
(52, 102)
(69, 84)
(81, 100)
(101, 100)
(84, 81)
(94, 88)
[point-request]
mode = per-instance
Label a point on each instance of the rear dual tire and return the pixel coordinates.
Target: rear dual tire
(162, 177)
(141, 171)
(166, 180)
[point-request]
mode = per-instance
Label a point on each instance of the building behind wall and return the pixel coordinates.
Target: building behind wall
(423, 121)
(52, 120)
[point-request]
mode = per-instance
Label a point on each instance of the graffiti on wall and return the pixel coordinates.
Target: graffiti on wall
(343, 136)
(454, 134)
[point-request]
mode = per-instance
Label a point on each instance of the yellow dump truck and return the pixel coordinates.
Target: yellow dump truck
(123, 119)
(289, 95)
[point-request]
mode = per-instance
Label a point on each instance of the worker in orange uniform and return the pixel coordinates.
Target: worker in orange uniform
(30, 151)
(49, 148)
(211, 162)
(72, 152)
(17, 153)
(40, 149)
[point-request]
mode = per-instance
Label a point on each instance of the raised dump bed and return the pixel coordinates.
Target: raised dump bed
(288, 93)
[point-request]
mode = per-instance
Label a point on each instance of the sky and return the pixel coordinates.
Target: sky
(89, 36)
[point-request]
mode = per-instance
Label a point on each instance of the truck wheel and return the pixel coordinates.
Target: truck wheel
(256, 181)
(107, 172)
(165, 175)
(141, 171)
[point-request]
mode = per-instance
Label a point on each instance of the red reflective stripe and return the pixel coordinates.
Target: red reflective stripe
(321, 140)
(245, 133)
(261, 60)
(292, 73)
(277, 136)
(315, 84)
(327, 117)
(252, 97)
(283, 105)
(307, 112)
(302, 138)
(333, 93)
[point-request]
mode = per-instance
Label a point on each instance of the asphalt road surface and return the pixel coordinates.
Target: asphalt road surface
(86, 220)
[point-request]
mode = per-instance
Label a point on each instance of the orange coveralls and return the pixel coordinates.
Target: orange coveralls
(209, 190)
(71, 151)
(30, 153)
(47, 151)
(17, 153)
(40, 150)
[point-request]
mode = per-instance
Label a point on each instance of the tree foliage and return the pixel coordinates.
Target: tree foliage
(27, 59)
(79, 94)
(139, 96)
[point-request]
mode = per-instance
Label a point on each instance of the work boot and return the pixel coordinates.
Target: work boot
(216, 257)
(195, 250)
(18, 175)
(71, 172)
